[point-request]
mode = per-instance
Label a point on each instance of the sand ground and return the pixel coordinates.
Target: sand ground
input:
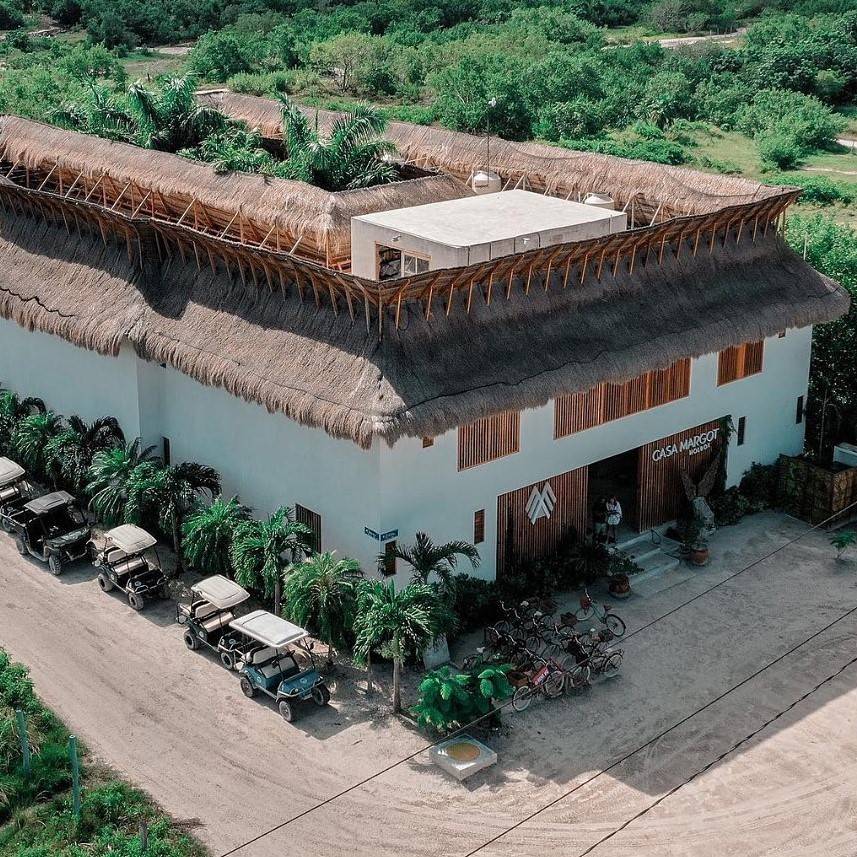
(751, 657)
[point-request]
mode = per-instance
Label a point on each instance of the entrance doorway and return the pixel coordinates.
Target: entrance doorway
(617, 475)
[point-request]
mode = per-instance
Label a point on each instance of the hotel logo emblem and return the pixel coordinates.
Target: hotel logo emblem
(541, 503)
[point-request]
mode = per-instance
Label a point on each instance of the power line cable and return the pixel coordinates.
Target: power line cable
(634, 752)
(720, 758)
(478, 720)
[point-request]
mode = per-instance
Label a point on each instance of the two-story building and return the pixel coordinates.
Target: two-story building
(418, 356)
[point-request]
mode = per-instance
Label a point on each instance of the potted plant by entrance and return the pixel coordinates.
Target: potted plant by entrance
(695, 542)
(619, 573)
(619, 585)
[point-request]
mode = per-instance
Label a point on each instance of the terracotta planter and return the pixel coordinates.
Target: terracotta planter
(619, 586)
(699, 556)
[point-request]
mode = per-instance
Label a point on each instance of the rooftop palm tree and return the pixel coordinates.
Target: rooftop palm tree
(170, 493)
(109, 479)
(427, 559)
(30, 440)
(69, 453)
(209, 532)
(263, 550)
(321, 595)
(397, 624)
(353, 155)
(171, 118)
(12, 410)
(100, 112)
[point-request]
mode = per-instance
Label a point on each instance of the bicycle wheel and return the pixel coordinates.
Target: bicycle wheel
(583, 615)
(522, 698)
(554, 685)
(614, 624)
(580, 675)
(613, 664)
(492, 636)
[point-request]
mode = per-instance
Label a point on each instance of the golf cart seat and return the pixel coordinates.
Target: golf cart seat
(203, 609)
(115, 555)
(215, 623)
(129, 566)
(271, 670)
(259, 656)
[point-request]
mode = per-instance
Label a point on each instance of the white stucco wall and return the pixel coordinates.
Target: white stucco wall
(270, 460)
(71, 380)
(422, 489)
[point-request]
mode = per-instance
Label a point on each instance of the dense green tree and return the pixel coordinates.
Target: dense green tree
(110, 476)
(209, 533)
(398, 624)
(69, 453)
(31, 438)
(436, 563)
(262, 551)
(321, 595)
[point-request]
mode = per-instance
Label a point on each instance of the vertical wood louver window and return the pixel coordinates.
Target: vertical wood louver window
(313, 521)
(479, 527)
(488, 439)
(740, 361)
(579, 411)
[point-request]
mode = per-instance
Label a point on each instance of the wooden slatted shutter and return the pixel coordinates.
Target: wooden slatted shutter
(740, 361)
(488, 439)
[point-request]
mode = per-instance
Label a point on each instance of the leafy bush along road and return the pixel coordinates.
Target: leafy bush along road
(177, 724)
(36, 813)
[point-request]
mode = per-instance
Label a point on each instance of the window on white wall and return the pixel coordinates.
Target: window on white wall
(742, 431)
(799, 410)
(413, 265)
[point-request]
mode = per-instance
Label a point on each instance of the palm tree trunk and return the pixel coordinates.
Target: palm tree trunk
(369, 672)
(397, 691)
(177, 543)
(278, 595)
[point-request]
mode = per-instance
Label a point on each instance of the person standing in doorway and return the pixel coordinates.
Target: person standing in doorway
(614, 518)
(599, 520)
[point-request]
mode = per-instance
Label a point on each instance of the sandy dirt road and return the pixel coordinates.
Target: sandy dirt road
(176, 723)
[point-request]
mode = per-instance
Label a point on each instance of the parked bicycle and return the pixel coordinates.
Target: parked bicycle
(590, 609)
(602, 659)
(546, 679)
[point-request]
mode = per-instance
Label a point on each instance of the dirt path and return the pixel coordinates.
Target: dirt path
(177, 724)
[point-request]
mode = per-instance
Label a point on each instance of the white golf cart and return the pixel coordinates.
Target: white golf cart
(206, 619)
(273, 668)
(14, 491)
(130, 563)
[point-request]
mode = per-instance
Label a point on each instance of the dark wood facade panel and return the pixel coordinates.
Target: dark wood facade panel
(606, 402)
(489, 439)
(740, 361)
(521, 539)
(660, 463)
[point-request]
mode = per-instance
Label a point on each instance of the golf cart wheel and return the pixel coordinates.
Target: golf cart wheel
(522, 698)
(136, 601)
(320, 695)
(105, 584)
(190, 640)
(287, 710)
(228, 660)
(614, 624)
(247, 687)
(55, 564)
(6, 524)
(20, 546)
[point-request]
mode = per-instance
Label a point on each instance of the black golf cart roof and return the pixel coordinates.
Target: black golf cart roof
(49, 502)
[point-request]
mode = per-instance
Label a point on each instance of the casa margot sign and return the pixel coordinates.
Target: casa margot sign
(541, 503)
(691, 445)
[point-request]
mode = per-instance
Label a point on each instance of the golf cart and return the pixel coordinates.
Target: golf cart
(273, 668)
(52, 529)
(128, 562)
(14, 491)
(207, 617)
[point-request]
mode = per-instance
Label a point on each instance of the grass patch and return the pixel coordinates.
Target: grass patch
(36, 817)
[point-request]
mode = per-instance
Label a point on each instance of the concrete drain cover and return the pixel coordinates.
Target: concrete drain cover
(462, 756)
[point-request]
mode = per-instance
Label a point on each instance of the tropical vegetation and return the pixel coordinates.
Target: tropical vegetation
(399, 624)
(209, 533)
(432, 563)
(321, 596)
(450, 700)
(38, 804)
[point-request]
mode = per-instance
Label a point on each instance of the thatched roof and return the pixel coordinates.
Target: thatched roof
(551, 168)
(328, 371)
(296, 207)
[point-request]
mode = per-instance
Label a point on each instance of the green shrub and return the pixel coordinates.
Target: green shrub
(476, 602)
(16, 687)
(780, 150)
(817, 189)
(450, 700)
(759, 487)
(729, 507)
(657, 151)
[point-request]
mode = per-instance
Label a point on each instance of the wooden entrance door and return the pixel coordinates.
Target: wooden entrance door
(661, 493)
(533, 520)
